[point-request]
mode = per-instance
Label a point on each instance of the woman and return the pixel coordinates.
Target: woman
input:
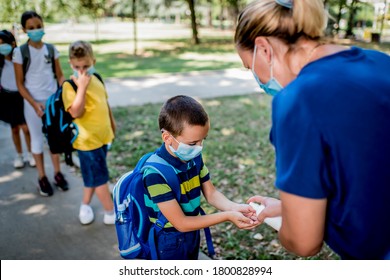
(330, 129)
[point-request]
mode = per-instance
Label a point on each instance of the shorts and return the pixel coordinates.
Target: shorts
(93, 167)
(175, 245)
(11, 108)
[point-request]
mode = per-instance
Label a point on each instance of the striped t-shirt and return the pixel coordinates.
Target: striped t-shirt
(190, 183)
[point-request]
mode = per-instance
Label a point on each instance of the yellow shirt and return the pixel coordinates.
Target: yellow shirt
(94, 125)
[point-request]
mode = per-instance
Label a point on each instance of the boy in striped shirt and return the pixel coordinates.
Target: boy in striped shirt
(184, 125)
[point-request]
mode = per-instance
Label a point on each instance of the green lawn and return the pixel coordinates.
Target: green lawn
(168, 56)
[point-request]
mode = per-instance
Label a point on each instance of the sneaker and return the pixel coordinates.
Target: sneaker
(45, 188)
(109, 219)
(30, 159)
(60, 182)
(86, 214)
(18, 162)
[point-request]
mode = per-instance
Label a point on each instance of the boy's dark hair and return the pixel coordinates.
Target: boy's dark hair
(180, 110)
(80, 49)
(27, 15)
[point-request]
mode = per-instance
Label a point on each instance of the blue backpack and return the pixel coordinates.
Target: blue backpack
(58, 125)
(135, 233)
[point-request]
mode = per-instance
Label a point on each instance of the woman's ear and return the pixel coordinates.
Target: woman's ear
(264, 48)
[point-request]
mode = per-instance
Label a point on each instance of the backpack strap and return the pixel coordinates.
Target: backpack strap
(99, 77)
(2, 62)
(50, 49)
(26, 57)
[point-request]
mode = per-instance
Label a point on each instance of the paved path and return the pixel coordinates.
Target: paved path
(35, 227)
(158, 88)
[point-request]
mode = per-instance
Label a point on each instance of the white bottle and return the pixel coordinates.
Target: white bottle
(274, 222)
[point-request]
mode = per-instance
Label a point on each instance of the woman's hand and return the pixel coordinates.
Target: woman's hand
(273, 207)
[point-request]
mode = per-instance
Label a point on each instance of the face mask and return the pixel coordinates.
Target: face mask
(272, 87)
(186, 152)
(36, 34)
(5, 49)
(90, 71)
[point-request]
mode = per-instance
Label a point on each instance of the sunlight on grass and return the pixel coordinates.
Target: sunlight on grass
(130, 136)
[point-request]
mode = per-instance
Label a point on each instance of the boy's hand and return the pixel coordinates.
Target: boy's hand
(246, 210)
(82, 81)
(241, 221)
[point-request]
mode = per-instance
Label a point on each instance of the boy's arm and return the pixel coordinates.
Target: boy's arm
(77, 108)
(221, 202)
(175, 215)
(112, 120)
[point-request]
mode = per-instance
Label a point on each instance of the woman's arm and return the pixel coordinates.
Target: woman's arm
(303, 221)
(303, 225)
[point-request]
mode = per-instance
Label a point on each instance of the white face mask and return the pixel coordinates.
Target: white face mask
(272, 87)
(186, 152)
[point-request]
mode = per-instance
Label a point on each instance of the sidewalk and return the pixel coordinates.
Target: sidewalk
(36, 227)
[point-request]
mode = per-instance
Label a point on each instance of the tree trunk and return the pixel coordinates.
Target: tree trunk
(352, 12)
(135, 26)
(194, 26)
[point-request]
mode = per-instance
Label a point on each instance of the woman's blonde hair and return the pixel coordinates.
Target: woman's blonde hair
(80, 49)
(269, 18)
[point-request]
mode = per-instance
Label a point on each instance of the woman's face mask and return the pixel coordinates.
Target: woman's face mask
(186, 152)
(272, 87)
(5, 49)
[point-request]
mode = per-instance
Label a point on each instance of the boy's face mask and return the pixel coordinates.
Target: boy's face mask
(186, 152)
(272, 87)
(5, 49)
(36, 34)
(90, 71)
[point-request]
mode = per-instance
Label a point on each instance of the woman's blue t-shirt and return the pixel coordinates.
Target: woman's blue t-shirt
(331, 132)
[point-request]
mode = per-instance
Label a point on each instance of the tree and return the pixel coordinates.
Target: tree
(96, 8)
(194, 25)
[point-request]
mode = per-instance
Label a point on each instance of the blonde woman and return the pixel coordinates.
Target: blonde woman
(330, 129)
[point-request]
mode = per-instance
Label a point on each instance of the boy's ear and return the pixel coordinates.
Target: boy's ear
(166, 137)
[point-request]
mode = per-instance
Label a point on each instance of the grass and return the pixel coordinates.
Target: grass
(238, 155)
(170, 56)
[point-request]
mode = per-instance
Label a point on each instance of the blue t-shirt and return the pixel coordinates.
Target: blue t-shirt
(331, 132)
